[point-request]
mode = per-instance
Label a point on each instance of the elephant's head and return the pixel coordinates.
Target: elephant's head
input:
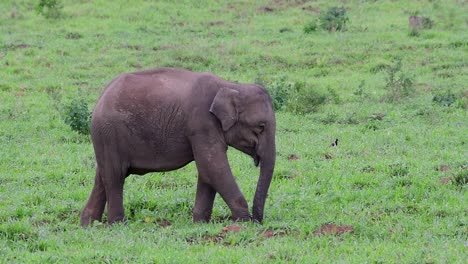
(248, 120)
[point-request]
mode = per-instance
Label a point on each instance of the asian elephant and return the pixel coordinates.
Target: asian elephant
(162, 119)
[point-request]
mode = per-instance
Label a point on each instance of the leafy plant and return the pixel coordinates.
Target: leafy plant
(446, 98)
(77, 116)
(293, 97)
(398, 170)
(50, 8)
(279, 90)
(427, 22)
(399, 85)
(334, 19)
(310, 27)
(305, 99)
(461, 178)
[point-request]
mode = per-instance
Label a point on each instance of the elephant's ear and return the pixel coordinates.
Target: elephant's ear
(224, 107)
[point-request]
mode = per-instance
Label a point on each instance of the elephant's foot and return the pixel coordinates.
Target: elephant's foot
(117, 220)
(88, 217)
(240, 210)
(201, 217)
(247, 218)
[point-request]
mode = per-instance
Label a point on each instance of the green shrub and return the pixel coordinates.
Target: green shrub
(446, 98)
(450, 99)
(398, 170)
(49, 8)
(399, 85)
(77, 116)
(279, 90)
(310, 27)
(461, 178)
(427, 22)
(306, 100)
(293, 97)
(334, 19)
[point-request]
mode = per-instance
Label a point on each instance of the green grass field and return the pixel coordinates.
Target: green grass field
(398, 176)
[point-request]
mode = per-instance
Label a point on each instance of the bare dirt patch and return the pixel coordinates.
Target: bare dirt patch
(332, 229)
(134, 47)
(444, 168)
(270, 233)
(311, 9)
(233, 228)
(163, 222)
(368, 169)
(164, 47)
(17, 46)
(446, 180)
(275, 5)
(218, 238)
(215, 23)
(136, 66)
(293, 157)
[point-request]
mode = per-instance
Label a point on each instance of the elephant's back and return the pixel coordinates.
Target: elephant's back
(145, 104)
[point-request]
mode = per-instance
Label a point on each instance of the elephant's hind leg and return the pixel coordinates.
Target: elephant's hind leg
(113, 178)
(203, 202)
(96, 202)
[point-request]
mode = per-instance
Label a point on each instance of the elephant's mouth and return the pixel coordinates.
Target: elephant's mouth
(256, 159)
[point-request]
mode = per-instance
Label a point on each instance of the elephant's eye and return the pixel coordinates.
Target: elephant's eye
(261, 127)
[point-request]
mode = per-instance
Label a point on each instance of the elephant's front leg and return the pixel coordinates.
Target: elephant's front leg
(213, 169)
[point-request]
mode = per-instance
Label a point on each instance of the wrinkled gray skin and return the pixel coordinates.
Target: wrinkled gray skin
(162, 119)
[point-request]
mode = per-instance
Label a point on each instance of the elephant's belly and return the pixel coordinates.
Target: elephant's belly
(156, 159)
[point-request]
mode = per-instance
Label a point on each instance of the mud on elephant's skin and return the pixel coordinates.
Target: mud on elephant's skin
(162, 119)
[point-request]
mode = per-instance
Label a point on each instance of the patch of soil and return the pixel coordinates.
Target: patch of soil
(136, 65)
(328, 156)
(215, 23)
(232, 228)
(163, 47)
(266, 9)
(293, 157)
(311, 9)
(218, 238)
(332, 229)
(18, 46)
(269, 233)
(163, 222)
(215, 239)
(368, 169)
(377, 116)
(444, 168)
(134, 47)
(446, 180)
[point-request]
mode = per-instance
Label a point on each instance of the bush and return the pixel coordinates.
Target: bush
(49, 8)
(398, 85)
(446, 98)
(279, 91)
(293, 96)
(450, 99)
(77, 116)
(334, 19)
(398, 170)
(306, 100)
(310, 27)
(461, 178)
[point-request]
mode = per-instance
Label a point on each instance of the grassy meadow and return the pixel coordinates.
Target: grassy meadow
(395, 98)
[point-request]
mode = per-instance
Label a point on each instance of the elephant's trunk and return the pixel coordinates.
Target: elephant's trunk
(267, 155)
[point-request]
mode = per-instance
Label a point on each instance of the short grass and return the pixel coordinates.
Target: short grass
(398, 175)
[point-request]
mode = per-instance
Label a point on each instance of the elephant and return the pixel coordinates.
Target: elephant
(162, 119)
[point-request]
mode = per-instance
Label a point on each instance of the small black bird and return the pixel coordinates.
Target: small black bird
(334, 143)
